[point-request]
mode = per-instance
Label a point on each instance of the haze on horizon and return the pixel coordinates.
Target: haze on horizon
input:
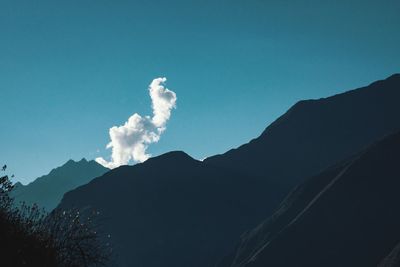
(69, 71)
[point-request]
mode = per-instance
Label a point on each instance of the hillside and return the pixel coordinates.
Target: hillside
(345, 216)
(175, 211)
(48, 190)
(314, 134)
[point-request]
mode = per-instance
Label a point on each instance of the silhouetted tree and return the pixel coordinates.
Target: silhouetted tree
(30, 237)
(75, 238)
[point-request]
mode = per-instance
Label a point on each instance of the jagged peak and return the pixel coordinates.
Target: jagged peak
(75, 162)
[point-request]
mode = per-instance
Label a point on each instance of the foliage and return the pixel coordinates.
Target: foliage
(30, 237)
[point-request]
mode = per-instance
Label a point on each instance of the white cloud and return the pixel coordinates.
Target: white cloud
(130, 141)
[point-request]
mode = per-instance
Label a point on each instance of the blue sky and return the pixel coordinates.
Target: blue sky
(69, 70)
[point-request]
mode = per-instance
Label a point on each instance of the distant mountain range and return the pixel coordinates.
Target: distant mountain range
(175, 211)
(48, 190)
(346, 216)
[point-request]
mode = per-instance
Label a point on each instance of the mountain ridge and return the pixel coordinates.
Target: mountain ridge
(362, 188)
(173, 210)
(47, 190)
(316, 122)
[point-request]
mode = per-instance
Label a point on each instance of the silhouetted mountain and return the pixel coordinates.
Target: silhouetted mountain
(176, 211)
(171, 208)
(48, 190)
(314, 134)
(346, 216)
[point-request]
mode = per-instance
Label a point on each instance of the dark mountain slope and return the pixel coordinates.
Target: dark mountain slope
(171, 208)
(393, 259)
(315, 134)
(176, 211)
(346, 216)
(48, 190)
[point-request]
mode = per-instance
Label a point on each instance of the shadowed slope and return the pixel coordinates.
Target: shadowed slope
(393, 259)
(170, 209)
(346, 216)
(314, 134)
(175, 211)
(48, 190)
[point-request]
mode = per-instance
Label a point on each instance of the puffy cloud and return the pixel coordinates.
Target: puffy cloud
(130, 141)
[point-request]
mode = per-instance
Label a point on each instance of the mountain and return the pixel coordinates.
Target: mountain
(166, 210)
(175, 211)
(314, 134)
(345, 216)
(48, 190)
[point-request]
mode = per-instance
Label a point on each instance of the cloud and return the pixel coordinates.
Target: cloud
(131, 140)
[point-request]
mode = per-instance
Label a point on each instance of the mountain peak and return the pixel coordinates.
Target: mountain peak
(173, 156)
(47, 190)
(72, 162)
(18, 184)
(161, 209)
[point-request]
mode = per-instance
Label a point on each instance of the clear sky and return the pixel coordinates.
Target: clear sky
(69, 70)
